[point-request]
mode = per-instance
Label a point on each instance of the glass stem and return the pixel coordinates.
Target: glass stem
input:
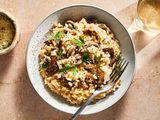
(136, 26)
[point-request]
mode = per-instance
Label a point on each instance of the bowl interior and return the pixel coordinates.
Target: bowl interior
(11, 20)
(76, 13)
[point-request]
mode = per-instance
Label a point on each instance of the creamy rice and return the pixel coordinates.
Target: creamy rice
(77, 59)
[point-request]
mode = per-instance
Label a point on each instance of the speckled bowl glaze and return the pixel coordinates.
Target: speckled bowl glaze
(76, 13)
(17, 32)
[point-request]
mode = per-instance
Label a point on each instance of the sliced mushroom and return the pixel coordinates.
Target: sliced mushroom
(70, 52)
(48, 42)
(90, 67)
(112, 62)
(104, 27)
(52, 67)
(71, 23)
(79, 62)
(77, 56)
(111, 52)
(90, 43)
(89, 78)
(65, 83)
(60, 44)
(100, 75)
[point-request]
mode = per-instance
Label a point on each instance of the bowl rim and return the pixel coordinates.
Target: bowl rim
(16, 35)
(80, 5)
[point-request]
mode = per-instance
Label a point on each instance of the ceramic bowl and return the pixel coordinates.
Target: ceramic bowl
(11, 18)
(76, 13)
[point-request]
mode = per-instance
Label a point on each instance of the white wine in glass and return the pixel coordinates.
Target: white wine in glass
(148, 17)
(149, 13)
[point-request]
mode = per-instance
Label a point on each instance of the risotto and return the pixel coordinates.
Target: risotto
(77, 58)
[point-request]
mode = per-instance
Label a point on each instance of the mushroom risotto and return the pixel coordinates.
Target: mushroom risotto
(77, 58)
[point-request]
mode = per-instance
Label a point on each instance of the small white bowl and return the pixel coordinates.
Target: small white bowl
(76, 13)
(16, 35)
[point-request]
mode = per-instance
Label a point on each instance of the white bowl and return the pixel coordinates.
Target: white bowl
(76, 13)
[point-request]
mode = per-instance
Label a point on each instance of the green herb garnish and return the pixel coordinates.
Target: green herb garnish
(99, 60)
(75, 70)
(67, 67)
(78, 42)
(81, 38)
(75, 27)
(45, 65)
(60, 53)
(86, 57)
(57, 36)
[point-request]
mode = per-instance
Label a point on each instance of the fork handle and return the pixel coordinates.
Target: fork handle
(89, 100)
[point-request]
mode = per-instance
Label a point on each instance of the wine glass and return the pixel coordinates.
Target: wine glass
(148, 19)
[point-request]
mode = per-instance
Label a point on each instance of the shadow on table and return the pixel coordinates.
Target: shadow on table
(112, 113)
(141, 40)
(5, 62)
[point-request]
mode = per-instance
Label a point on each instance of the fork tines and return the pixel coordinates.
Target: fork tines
(118, 69)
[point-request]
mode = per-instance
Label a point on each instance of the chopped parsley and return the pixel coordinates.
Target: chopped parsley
(75, 70)
(75, 27)
(86, 57)
(57, 36)
(67, 67)
(45, 65)
(60, 53)
(99, 60)
(81, 38)
(79, 42)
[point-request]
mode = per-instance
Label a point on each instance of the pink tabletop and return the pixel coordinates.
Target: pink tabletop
(19, 100)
